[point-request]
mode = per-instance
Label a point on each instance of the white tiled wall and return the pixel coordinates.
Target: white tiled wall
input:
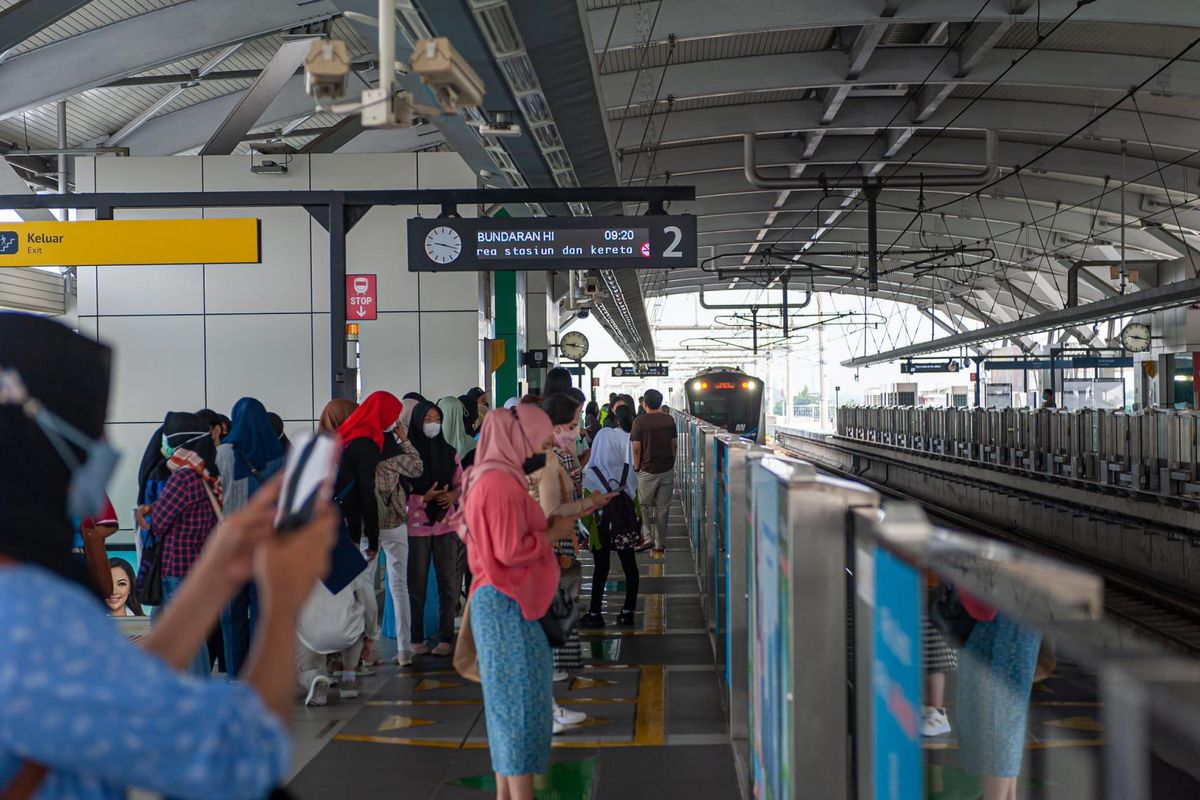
(192, 336)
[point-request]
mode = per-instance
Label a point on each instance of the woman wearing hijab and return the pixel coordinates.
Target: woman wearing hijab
(194, 738)
(188, 508)
(362, 437)
(509, 544)
(277, 427)
(455, 432)
(430, 502)
(246, 459)
(611, 454)
(475, 406)
(335, 413)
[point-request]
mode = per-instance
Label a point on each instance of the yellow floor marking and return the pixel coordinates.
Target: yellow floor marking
(651, 708)
(655, 622)
(656, 571)
(429, 685)
(396, 722)
(590, 722)
(649, 726)
(1076, 724)
(1048, 744)
(590, 683)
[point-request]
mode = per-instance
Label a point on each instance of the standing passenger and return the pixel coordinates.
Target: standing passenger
(609, 461)
(454, 430)
(516, 575)
(187, 510)
(362, 437)
(399, 464)
(475, 406)
(246, 459)
(430, 536)
(653, 439)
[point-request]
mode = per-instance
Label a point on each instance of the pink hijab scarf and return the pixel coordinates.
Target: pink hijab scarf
(507, 438)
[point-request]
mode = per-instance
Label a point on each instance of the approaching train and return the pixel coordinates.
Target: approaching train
(728, 398)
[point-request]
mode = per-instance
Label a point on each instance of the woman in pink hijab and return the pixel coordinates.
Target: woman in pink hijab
(510, 551)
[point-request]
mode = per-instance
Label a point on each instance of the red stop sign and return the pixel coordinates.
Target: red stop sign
(360, 298)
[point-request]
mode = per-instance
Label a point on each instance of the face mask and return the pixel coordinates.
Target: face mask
(565, 440)
(89, 478)
(534, 463)
(431, 429)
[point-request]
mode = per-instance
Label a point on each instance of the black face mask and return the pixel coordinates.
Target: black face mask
(534, 463)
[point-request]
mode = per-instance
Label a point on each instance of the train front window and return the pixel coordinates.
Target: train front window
(713, 409)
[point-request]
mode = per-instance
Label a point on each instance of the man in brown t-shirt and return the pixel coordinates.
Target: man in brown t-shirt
(653, 440)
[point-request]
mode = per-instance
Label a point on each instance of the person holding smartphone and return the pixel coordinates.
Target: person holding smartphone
(516, 574)
(62, 652)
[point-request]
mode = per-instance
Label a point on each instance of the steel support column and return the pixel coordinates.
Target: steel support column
(343, 380)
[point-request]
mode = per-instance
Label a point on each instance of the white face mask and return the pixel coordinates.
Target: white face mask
(431, 429)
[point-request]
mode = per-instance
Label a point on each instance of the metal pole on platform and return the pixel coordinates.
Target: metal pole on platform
(342, 379)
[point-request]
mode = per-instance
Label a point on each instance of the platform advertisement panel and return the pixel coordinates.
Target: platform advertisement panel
(896, 680)
(770, 652)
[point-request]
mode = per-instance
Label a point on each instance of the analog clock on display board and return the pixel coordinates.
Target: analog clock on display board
(1136, 337)
(573, 346)
(443, 244)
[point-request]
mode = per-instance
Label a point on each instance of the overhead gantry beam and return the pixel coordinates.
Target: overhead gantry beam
(27, 17)
(254, 102)
(143, 42)
(708, 18)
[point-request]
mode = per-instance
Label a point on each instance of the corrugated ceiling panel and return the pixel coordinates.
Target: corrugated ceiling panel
(713, 48)
(1099, 37)
(95, 14)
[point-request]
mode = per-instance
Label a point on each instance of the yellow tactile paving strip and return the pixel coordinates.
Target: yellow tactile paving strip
(649, 724)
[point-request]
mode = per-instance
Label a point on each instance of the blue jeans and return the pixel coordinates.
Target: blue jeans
(201, 665)
(237, 628)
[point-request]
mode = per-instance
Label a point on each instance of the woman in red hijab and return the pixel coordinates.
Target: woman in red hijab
(362, 443)
(509, 547)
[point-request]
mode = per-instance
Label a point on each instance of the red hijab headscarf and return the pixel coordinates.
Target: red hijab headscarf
(376, 414)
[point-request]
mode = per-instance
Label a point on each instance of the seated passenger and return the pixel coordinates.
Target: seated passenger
(87, 714)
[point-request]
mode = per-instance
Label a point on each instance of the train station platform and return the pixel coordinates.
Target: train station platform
(655, 724)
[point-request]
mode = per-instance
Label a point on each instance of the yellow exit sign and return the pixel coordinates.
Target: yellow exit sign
(130, 241)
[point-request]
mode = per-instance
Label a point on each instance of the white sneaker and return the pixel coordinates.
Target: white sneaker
(318, 692)
(559, 676)
(935, 722)
(566, 717)
(558, 727)
(349, 688)
(404, 658)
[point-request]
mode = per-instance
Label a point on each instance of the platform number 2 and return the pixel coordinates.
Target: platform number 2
(673, 250)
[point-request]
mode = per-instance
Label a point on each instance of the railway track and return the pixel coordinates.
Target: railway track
(1144, 605)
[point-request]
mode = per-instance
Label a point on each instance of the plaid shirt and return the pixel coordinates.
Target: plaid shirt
(184, 517)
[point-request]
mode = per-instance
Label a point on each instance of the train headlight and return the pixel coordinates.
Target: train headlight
(696, 385)
(703, 384)
(745, 384)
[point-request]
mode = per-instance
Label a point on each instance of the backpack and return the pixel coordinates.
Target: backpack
(618, 523)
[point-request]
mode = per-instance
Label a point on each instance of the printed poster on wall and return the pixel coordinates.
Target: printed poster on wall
(896, 680)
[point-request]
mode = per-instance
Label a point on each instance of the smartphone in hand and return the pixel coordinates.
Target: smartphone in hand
(307, 479)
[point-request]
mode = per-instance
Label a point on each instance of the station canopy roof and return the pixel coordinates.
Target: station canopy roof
(1095, 106)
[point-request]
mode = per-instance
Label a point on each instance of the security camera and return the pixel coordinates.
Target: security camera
(326, 69)
(440, 67)
(592, 287)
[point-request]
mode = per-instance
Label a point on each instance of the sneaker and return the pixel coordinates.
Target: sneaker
(364, 671)
(404, 658)
(442, 650)
(558, 727)
(626, 617)
(566, 717)
(935, 722)
(318, 692)
(590, 620)
(559, 676)
(349, 687)
(420, 649)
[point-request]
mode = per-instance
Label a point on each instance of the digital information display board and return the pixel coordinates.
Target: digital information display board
(454, 244)
(641, 371)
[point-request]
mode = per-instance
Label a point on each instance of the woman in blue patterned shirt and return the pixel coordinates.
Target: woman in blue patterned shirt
(87, 714)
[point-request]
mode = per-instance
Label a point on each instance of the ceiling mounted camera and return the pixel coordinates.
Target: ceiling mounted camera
(443, 69)
(326, 69)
